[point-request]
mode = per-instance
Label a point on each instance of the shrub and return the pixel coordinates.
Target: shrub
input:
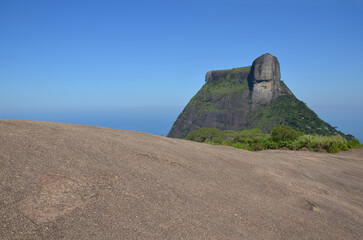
(270, 144)
(333, 149)
(284, 133)
(354, 143)
(350, 137)
(331, 144)
(244, 146)
(281, 137)
(203, 134)
(256, 143)
(243, 135)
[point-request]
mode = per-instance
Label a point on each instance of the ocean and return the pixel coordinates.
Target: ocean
(154, 120)
(159, 120)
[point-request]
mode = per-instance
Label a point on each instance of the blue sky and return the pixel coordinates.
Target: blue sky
(97, 54)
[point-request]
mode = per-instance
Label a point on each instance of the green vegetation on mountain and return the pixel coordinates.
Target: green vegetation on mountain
(231, 83)
(282, 137)
(246, 98)
(288, 110)
(209, 96)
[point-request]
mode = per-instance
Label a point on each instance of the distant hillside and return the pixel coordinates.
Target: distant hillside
(65, 181)
(245, 98)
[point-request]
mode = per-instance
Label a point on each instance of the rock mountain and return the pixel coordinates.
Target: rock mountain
(245, 98)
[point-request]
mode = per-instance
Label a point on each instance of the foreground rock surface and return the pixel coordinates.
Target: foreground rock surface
(64, 181)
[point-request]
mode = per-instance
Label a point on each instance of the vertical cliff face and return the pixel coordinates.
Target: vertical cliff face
(247, 97)
(264, 79)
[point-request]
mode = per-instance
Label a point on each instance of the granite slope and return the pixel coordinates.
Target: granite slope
(64, 181)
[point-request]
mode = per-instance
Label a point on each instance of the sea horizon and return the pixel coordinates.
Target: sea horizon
(158, 120)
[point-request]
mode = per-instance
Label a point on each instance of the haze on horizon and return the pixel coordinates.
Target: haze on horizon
(147, 59)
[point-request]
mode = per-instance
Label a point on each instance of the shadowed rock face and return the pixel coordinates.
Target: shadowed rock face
(264, 79)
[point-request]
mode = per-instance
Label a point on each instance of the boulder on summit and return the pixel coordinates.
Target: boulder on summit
(264, 79)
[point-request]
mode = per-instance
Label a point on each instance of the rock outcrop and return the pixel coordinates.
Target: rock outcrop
(264, 79)
(248, 97)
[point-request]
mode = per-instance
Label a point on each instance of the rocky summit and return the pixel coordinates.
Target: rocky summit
(245, 98)
(264, 79)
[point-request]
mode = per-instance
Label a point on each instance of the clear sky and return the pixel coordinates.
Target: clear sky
(97, 54)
